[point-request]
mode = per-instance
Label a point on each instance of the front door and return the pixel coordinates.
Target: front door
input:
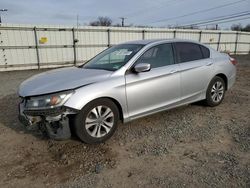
(156, 89)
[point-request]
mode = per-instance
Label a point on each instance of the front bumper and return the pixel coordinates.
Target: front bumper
(53, 122)
(24, 120)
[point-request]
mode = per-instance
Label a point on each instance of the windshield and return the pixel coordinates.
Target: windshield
(113, 58)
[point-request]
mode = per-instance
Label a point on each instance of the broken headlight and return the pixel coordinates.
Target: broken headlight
(48, 101)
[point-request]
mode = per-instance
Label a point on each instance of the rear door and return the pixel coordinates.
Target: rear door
(158, 88)
(195, 69)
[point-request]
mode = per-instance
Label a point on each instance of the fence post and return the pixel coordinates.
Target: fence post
(200, 36)
(74, 44)
(143, 34)
(249, 49)
(36, 46)
(175, 33)
(108, 37)
(236, 42)
(218, 43)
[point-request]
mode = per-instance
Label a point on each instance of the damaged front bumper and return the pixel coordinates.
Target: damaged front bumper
(54, 122)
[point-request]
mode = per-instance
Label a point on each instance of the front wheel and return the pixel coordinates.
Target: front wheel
(215, 91)
(97, 121)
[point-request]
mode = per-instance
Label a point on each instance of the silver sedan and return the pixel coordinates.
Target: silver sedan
(124, 82)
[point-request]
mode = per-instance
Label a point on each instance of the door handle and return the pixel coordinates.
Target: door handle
(209, 64)
(173, 71)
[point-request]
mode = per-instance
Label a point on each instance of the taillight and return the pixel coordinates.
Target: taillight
(233, 61)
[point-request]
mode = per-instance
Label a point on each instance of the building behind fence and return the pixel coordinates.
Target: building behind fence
(33, 47)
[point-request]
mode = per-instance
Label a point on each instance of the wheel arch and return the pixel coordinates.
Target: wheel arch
(121, 117)
(225, 79)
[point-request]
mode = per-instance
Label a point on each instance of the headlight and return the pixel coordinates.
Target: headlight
(48, 101)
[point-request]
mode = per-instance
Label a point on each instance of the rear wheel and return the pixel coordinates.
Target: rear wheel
(215, 91)
(97, 121)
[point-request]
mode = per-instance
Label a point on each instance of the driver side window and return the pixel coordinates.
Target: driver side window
(158, 56)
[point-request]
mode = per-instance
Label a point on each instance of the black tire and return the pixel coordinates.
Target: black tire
(79, 121)
(209, 97)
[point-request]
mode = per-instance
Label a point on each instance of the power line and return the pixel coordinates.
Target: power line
(227, 21)
(237, 13)
(197, 12)
(150, 8)
(218, 19)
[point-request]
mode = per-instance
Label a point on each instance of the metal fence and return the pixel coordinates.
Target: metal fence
(34, 47)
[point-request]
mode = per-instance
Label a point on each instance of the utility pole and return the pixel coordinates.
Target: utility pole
(2, 10)
(122, 18)
(75, 39)
(216, 27)
(77, 20)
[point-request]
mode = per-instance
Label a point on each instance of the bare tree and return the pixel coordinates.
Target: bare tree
(212, 27)
(101, 21)
(117, 25)
(246, 28)
(236, 27)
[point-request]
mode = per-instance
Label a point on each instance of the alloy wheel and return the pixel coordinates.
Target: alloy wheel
(99, 121)
(217, 91)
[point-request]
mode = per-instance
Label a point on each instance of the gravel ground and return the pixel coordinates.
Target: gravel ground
(191, 146)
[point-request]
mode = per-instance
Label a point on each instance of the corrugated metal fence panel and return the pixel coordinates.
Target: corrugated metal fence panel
(151, 34)
(19, 58)
(120, 35)
(55, 37)
(58, 49)
(210, 38)
(191, 35)
(11, 37)
(242, 48)
(243, 43)
(90, 42)
(16, 48)
(227, 42)
(85, 53)
(95, 37)
(56, 56)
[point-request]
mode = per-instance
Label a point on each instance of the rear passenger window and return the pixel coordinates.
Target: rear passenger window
(188, 51)
(205, 52)
(158, 56)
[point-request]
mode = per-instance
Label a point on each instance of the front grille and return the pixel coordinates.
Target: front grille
(45, 112)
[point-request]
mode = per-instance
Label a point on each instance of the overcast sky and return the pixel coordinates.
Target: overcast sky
(140, 12)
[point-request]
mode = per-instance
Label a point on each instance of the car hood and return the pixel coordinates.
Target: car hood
(61, 79)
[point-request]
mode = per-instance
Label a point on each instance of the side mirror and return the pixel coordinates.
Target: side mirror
(142, 67)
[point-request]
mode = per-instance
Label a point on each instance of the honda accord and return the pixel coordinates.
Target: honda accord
(124, 82)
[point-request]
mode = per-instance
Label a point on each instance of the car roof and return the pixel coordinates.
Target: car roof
(150, 41)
